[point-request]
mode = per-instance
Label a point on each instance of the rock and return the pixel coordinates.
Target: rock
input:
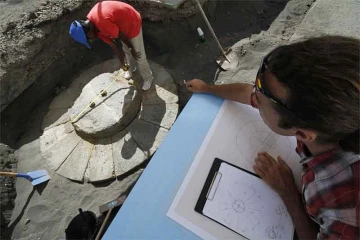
(75, 165)
(101, 163)
(126, 153)
(60, 151)
(163, 115)
(111, 113)
(148, 136)
(159, 95)
(52, 135)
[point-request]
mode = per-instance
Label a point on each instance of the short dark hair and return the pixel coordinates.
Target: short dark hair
(322, 76)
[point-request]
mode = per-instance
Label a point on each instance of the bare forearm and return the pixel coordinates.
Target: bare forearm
(305, 227)
(119, 53)
(237, 92)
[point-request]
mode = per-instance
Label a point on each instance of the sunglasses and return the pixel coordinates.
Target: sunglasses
(260, 84)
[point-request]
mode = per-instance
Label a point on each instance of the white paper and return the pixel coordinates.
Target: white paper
(236, 128)
(245, 204)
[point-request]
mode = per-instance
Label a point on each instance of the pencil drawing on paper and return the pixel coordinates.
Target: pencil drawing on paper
(255, 136)
(235, 205)
(245, 203)
(274, 232)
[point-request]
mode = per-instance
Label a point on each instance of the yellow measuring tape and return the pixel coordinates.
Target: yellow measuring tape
(93, 101)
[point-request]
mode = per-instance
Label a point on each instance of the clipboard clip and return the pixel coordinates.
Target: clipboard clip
(214, 186)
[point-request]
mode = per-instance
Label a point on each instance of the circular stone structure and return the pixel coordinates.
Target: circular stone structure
(111, 111)
(121, 130)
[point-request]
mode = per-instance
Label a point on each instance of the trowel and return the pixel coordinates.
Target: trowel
(35, 177)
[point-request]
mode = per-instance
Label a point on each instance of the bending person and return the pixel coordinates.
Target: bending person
(111, 21)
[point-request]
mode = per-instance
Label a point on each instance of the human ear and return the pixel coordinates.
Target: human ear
(305, 135)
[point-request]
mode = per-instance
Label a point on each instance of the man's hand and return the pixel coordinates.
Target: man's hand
(136, 55)
(197, 86)
(279, 177)
(277, 174)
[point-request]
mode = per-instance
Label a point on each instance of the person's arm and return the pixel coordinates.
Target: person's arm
(278, 175)
(237, 92)
(305, 227)
(119, 53)
(127, 42)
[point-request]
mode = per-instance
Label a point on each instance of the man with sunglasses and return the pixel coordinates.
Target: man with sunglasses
(111, 21)
(310, 90)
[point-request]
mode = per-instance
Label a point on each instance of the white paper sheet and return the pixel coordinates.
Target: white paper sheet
(236, 135)
(245, 204)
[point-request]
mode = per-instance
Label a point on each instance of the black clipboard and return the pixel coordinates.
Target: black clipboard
(204, 195)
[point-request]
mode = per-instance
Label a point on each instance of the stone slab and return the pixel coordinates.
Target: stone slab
(330, 17)
(126, 153)
(58, 152)
(75, 165)
(101, 163)
(86, 96)
(55, 117)
(158, 95)
(163, 115)
(148, 136)
(54, 135)
(111, 112)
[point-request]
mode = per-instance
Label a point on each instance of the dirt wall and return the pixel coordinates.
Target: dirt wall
(35, 37)
(30, 44)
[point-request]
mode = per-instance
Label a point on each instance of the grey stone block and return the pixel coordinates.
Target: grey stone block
(158, 95)
(101, 163)
(111, 113)
(163, 115)
(148, 136)
(75, 165)
(53, 135)
(58, 152)
(126, 153)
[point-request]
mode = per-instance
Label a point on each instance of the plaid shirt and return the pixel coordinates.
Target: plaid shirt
(331, 193)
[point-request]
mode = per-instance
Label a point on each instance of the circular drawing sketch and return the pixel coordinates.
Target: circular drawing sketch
(256, 137)
(242, 202)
